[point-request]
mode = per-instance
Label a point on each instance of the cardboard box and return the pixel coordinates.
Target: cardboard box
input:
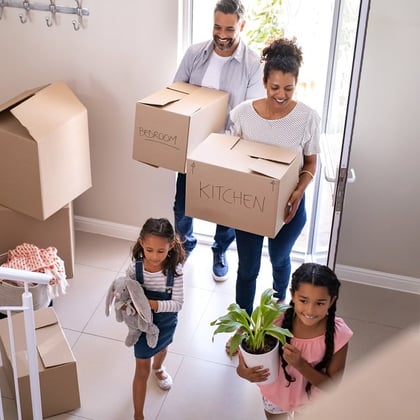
(240, 183)
(44, 150)
(173, 121)
(56, 362)
(381, 386)
(57, 231)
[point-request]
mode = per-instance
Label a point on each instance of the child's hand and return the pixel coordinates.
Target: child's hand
(154, 305)
(292, 355)
(254, 374)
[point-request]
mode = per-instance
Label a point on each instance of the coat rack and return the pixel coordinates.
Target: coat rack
(52, 8)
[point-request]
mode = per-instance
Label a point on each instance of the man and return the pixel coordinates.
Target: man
(227, 64)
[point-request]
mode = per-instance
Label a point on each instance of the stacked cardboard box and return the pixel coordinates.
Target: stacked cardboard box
(56, 363)
(44, 166)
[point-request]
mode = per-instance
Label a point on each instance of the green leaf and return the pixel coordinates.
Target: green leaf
(235, 342)
(255, 328)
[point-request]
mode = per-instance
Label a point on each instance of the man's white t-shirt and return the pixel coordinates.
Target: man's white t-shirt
(211, 78)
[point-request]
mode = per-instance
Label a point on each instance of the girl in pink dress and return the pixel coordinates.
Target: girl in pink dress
(315, 354)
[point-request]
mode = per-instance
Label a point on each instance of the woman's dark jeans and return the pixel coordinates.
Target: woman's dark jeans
(249, 254)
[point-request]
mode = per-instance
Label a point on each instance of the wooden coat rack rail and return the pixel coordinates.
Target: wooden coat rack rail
(51, 7)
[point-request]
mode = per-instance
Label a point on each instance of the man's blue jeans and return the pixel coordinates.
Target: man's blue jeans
(223, 237)
(249, 254)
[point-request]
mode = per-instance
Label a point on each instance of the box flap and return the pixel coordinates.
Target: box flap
(265, 151)
(53, 348)
(267, 168)
(45, 317)
(183, 87)
(52, 345)
(19, 98)
(163, 97)
(57, 101)
(184, 107)
(210, 149)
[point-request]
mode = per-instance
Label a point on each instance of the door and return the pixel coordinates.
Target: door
(341, 175)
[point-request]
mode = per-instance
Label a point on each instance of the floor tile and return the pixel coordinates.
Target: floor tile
(85, 292)
(101, 251)
(379, 305)
(208, 391)
(367, 337)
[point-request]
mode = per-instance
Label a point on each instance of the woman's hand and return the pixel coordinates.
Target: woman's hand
(305, 178)
(254, 374)
(292, 205)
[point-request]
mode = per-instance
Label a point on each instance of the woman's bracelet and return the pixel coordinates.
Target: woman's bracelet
(307, 172)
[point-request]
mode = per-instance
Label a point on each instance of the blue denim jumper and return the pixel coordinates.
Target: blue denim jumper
(165, 321)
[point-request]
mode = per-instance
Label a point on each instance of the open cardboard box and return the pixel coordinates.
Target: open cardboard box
(44, 150)
(240, 183)
(56, 363)
(170, 123)
(56, 231)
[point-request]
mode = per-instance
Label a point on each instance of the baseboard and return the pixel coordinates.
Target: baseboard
(344, 272)
(378, 279)
(101, 227)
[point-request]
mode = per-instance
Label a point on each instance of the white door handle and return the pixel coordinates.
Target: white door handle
(350, 179)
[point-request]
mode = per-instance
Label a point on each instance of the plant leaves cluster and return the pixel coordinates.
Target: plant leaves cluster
(253, 328)
(264, 23)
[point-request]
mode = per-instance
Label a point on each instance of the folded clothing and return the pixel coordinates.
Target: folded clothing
(31, 258)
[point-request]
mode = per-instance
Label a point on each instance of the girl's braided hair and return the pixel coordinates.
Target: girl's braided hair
(322, 276)
(162, 228)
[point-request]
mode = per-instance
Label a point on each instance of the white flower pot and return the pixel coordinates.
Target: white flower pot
(270, 360)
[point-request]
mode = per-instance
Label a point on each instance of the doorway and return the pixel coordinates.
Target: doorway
(326, 31)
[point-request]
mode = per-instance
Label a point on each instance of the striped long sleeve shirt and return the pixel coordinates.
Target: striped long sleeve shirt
(157, 282)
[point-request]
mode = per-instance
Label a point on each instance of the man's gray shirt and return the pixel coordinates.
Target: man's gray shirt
(241, 75)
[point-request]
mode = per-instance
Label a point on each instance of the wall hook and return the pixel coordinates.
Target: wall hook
(79, 12)
(27, 8)
(53, 9)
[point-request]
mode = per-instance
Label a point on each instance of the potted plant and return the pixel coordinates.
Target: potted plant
(257, 334)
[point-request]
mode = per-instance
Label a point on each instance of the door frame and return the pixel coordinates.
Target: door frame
(342, 176)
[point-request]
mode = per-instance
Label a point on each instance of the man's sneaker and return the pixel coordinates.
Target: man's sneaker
(220, 266)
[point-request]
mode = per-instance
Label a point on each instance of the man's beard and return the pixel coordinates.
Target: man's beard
(225, 45)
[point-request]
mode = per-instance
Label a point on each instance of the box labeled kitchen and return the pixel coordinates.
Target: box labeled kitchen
(240, 183)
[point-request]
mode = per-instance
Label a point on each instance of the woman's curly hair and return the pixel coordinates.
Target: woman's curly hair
(282, 55)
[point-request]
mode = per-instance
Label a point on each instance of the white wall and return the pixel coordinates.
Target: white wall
(380, 225)
(127, 50)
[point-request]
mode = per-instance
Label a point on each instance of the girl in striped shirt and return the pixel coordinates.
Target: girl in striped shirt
(157, 257)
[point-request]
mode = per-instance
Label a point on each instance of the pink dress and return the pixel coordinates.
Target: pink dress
(290, 398)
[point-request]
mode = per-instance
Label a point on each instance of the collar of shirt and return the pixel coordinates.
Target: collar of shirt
(237, 54)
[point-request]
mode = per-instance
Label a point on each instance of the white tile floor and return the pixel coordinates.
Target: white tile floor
(205, 386)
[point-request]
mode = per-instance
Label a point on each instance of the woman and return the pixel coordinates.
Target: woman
(280, 120)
